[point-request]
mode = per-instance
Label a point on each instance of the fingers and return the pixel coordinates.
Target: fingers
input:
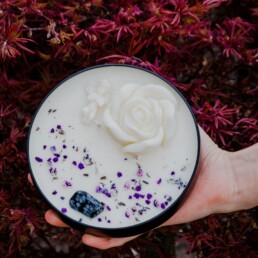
(105, 243)
(53, 219)
(30, 179)
(93, 241)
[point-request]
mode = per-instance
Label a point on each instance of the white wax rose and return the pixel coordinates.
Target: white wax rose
(141, 117)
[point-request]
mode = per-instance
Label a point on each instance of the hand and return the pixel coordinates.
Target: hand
(213, 191)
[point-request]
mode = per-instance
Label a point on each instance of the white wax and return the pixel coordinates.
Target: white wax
(135, 197)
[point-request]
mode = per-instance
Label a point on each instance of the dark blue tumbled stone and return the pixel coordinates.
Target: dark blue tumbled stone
(86, 204)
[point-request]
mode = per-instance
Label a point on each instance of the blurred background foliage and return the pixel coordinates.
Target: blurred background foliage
(207, 49)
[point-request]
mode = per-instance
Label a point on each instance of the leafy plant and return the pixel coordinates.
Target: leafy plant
(206, 48)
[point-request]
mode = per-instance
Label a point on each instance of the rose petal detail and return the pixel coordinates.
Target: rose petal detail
(149, 129)
(115, 129)
(155, 92)
(168, 118)
(144, 145)
(121, 96)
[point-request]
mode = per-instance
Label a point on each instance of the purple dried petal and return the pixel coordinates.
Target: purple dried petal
(108, 221)
(155, 203)
(98, 189)
(103, 191)
(52, 130)
(57, 155)
(159, 181)
(119, 174)
(127, 214)
(74, 163)
(80, 166)
(38, 159)
(53, 148)
(67, 183)
(59, 127)
(147, 202)
(139, 172)
(49, 162)
(65, 156)
(64, 146)
(108, 208)
(107, 194)
(149, 196)
(141, 195)
(136, 195)
(138, 188)
(130, 197)
(63, 210)
(163, 205)
(99, 219)
(55, 159)
(54, 192)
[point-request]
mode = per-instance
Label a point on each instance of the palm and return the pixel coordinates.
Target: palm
(210, 185)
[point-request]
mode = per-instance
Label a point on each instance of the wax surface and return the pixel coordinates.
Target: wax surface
(69, 155)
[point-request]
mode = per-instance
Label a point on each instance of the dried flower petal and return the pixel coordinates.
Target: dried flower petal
(80, 166)
(63, 210)
(38, 159)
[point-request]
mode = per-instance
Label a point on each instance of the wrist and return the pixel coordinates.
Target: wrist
(244, 183)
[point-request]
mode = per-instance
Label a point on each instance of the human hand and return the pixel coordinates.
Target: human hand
(213, 191)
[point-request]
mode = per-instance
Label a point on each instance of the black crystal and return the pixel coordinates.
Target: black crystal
(86, 204)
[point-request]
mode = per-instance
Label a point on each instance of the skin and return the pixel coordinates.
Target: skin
(220, 186)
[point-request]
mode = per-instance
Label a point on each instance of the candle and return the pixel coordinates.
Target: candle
(113, 149)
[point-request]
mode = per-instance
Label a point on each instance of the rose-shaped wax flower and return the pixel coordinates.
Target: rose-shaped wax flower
(141, 117)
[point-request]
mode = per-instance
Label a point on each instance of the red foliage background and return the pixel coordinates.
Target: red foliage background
(207, 49)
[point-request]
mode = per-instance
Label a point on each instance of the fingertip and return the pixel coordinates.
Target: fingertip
(53, 219)
(96, 242)
(105, 242)
(30, 179)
